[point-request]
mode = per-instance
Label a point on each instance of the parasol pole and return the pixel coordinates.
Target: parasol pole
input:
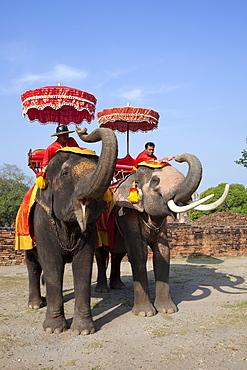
(59, 84)
(128, 138)
(128, 105)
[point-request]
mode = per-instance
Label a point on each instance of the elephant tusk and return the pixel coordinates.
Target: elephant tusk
(80, 213)
(217, 203)
(179, 209)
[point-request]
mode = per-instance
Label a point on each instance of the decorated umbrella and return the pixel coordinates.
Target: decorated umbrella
(61, 105)
(125, 119)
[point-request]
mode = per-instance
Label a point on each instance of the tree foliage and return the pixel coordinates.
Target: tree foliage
(236, 200)
(13, 186)
(243, 160)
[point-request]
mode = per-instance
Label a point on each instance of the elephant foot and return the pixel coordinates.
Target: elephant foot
(55, 325)
(166, 306)
(35, 303)
(83, 326)
(144, 310)
(116, 284)
(101, 287)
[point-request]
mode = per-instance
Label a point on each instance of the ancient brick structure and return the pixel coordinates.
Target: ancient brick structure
(218, 234)
(8, 256)
(196, 241)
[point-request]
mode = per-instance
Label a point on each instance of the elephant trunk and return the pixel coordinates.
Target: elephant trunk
(192, 180)
(99, 180)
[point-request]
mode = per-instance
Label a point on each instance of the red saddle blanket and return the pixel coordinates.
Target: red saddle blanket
(23, 222)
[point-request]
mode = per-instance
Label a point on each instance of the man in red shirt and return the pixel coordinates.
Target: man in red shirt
(63, 139)
(147, 154)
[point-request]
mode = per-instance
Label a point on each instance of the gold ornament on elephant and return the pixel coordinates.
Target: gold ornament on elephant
(134, 196)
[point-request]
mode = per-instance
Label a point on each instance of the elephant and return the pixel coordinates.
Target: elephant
(162, 192)
(64, 225)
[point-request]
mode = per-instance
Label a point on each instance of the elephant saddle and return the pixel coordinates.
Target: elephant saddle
(105, 225)
(24, 237)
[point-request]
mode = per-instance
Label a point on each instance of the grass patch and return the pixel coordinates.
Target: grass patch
(95, 345)
(13, 278)
(95, 305)
(170, 329)
(236, 313)
(237, 306)
(17, 283)
(70, 363)
(8, 342)
(10, 316)
(126, 304)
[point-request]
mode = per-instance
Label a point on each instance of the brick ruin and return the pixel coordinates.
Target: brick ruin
(209, 236)
(218, 234)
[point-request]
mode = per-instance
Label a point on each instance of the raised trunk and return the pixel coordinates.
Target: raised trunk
(192, 179)
(97, 183)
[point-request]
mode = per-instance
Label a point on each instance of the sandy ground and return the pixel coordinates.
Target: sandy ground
(208, 331)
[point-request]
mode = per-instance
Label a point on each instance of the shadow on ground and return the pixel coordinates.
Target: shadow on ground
(192, 281)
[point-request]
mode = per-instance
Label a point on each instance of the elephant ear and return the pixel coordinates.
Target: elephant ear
(122, 192)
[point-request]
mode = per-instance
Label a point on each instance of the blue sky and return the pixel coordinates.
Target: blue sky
(185, 59)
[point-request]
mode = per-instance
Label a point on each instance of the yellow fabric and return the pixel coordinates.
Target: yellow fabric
(107, 196)
(33, 196)
(153, 164)
(102, 225)
(24, 242)
(77, 150)
(102, 239)
(22, 238)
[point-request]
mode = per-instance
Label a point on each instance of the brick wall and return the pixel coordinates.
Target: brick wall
(8, 256)
(195, 241)
(185, 241)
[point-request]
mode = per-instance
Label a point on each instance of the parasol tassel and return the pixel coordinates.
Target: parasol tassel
(134, 196)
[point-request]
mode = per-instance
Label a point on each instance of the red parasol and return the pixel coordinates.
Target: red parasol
(58, 104)
(125, 119)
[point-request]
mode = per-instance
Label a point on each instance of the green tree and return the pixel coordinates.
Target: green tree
(13, 186)
(236, 200)
(243, 160)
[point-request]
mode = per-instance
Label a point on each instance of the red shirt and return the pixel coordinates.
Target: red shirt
(51, 150)
(144, 157)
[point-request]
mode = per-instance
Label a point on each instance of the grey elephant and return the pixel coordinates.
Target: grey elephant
(163, 192)
(64, 219)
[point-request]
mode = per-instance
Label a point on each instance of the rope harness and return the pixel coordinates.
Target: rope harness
(151, 227)
(70, 246)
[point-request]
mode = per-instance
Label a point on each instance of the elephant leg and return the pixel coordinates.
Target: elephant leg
(142, 305)
(161, 261)
(136, 247)
(82, 273)
(34, 272)
(102, 258)
(53, 271)
(115, 280)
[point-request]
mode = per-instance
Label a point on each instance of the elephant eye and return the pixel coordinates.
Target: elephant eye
(65, 172)
(154, 182)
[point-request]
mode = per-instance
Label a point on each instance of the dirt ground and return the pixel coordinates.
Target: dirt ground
(208, 332)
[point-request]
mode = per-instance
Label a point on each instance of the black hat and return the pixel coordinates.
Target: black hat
(62, 129)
